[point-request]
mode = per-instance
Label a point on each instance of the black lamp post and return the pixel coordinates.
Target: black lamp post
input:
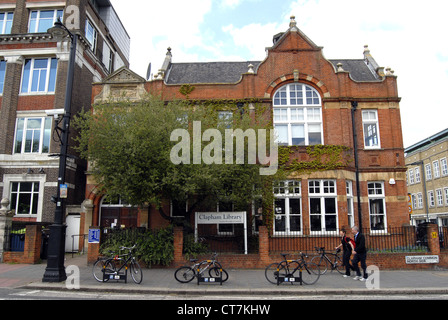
(55, 271)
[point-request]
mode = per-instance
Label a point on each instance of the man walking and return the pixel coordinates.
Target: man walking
(360, 254)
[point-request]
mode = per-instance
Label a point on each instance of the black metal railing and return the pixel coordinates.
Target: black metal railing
(394, 239)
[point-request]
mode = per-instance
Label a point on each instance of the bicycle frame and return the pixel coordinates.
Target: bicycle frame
(289, 276)
(324, 255)
(115, 274)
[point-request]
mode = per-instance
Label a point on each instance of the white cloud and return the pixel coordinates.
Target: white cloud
(405, 35)
(254, 37)
(230, 3)
(160, 25)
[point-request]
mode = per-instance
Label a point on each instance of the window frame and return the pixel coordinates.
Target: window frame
(45, 134)
(56, 13)
(350, 204)
(436, 169)
(16, 195)
(431, 199)
(445, 191)
(439, 197)
(8, 179)
(6, 23)
(444, 166)
(288, 190)
(367, 121)
(377, 198)
(2, 75)
(323, 196)
(29, 73)
(91, 34)
(300, 115)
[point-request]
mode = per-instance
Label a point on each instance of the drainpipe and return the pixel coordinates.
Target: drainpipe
(355, 149)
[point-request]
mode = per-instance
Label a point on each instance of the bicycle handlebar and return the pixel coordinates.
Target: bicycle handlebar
(128, 248)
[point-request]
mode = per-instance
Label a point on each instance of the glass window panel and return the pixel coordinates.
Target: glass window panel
(294, 223)
(297, 114)
(330, 205)
(330, 222)
(53, 70)
(26, 75)
(281, 132)
(298, 135)
(280, 224)
(315, 207)
(315, 221)
(24, 205)
(280, 206)
(47, 136)
(2, 75)
(294, 206)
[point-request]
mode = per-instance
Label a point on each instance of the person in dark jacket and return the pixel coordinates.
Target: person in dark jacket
(347, 249)
(360, 254)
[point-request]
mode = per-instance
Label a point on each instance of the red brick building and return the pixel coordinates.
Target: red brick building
(33, 77)
(312, 101)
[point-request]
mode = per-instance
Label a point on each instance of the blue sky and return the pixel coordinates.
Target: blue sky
(403, 35)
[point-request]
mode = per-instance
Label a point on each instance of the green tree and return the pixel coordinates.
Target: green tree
(129, 147)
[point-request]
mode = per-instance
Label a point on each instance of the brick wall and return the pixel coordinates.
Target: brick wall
(31, 252)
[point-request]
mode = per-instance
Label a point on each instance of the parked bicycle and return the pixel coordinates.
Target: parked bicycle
(327, 261)
(308, 272)
(185, 274)
(113, 267)
(99, 265)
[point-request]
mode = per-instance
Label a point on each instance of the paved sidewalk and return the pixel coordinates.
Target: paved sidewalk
(240, 282)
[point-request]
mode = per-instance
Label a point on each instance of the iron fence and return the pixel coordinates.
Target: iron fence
(394, 239)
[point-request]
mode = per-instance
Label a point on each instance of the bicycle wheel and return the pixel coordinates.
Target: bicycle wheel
(109, 267)
(184, 274)
(321, 262)
(271, 273)
(310, 273)
(136, 272)
(215, 272)
(97, 270)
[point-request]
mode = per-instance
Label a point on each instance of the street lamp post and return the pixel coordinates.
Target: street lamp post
(55, 271)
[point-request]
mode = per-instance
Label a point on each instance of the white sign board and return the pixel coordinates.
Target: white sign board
(222, 218)
(421, 259)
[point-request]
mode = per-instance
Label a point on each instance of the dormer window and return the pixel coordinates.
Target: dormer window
(298, 115)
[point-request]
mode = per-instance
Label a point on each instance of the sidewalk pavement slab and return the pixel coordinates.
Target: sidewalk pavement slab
(240, 282)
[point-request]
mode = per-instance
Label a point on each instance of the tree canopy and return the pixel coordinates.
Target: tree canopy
(134, 152)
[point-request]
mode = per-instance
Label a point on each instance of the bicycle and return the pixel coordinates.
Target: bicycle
(110, 271)
(309, 272)
(328, 260)
(185, 274)
(99, 265)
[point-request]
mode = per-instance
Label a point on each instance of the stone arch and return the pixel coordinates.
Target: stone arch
(296, 76)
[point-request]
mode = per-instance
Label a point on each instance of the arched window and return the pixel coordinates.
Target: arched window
(298, 115)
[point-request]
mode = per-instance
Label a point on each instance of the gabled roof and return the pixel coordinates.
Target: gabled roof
(208, 72)
(123, 75)
(357, 68)
(361, 70)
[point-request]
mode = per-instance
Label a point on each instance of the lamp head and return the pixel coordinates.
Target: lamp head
(58, 31)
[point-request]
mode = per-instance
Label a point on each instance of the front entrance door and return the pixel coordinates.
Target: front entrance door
(72, 233)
